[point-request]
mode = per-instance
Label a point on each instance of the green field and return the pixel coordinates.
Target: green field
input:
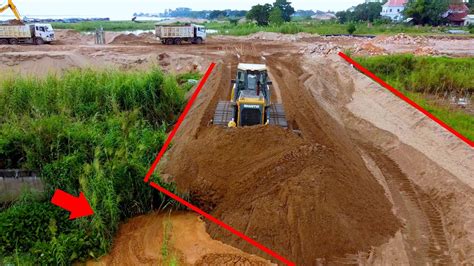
(418, 77)
(89, 131)
(227, 28)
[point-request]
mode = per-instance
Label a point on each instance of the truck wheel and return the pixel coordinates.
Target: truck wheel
(13, 41)
(163, 41)
(169, 41)
(199, 41)
(177, 41)
(3, 41)
(39, 41)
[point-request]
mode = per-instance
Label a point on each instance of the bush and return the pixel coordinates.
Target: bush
(351, 28)
(99, 134)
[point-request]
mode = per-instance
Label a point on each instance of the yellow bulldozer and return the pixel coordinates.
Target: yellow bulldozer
(250, 102)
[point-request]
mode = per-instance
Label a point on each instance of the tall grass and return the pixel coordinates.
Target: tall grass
(418, 77)
(323, 28)
(91, 131)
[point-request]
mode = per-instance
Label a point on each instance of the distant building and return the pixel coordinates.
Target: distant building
(393, 9)
(457, 13)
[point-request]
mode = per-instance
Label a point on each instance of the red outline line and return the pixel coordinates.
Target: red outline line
(223, 225)
(178, 124)
(189, 205)
(405, 98)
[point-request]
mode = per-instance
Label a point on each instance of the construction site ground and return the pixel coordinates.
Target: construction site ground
(359, 177)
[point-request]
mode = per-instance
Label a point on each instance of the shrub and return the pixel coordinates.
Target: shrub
(351, 28)
(99, 134)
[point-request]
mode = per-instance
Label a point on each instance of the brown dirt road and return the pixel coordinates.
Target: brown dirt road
(366, 180)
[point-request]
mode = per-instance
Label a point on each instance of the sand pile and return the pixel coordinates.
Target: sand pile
(300, 198)
(72, 37)
(369, 48)
(141, 239)
(144, 38)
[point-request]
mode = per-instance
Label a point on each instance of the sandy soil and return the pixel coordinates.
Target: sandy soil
(367, 179)
(156, 239)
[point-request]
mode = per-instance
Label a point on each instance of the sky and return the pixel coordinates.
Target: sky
(123, 9)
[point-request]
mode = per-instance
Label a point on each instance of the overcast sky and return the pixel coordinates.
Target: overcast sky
(123, 9)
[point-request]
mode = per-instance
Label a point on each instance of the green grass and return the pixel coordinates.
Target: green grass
(169, 257)
(324, 28)
(419, 76)
(89, 131)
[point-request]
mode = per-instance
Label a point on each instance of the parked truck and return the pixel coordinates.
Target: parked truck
(32, 34)
(177, 34)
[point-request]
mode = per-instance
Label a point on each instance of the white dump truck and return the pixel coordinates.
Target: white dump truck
(177, 34)
(32, 34)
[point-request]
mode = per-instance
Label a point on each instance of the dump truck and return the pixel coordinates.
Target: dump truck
(32, 34)
(250, 102)
(178, 34)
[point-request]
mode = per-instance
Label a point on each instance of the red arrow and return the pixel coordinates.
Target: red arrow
(78, 206)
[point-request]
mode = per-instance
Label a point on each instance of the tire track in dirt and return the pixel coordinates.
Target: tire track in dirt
(424, 229)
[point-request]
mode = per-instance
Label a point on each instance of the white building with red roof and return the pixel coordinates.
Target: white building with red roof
(393, 9)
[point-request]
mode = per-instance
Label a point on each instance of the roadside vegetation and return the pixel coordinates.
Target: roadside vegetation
(293, 27)
(426, 79)
(89, 131)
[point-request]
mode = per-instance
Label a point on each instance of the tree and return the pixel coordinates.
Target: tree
(343, 16)
(276, 16)
(286, 9)
(260, 13)
(217, 14)
(470, 4)
(363, 12)
(426, 11)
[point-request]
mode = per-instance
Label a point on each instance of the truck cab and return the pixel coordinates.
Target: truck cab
(43, 32)
(199, 32)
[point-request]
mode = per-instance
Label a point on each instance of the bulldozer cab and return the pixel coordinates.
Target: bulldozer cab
(250, 102)
(251, 77)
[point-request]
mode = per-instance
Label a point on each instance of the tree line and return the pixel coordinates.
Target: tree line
(422, 12)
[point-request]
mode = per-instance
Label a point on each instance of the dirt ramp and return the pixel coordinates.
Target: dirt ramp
(296, 197)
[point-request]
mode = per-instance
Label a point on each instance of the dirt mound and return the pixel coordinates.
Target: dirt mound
(299, 198)
(141, 241)
(72, 37)
(144, 38)
(369, 48)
